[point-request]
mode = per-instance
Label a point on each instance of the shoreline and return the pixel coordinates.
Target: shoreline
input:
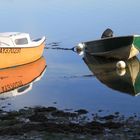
(52, 121)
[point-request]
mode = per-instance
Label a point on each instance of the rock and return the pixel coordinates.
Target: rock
(38, 118)
(108, 117)
(81, 111)
(113, 125)
(59, 113)
(51, 109)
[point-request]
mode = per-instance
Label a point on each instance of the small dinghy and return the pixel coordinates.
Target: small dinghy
(18, 48)
(121, 47)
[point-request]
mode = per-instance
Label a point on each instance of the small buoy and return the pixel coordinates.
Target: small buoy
(81, 53)
(80, 47)
(121, 64)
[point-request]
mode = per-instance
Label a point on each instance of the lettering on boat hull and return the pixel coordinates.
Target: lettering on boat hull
(10, 50)
(11, 86)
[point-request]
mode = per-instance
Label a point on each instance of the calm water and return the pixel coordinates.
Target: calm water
(67, 83)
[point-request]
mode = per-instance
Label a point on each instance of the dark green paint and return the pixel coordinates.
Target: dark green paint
(136, 42)
(137, 84)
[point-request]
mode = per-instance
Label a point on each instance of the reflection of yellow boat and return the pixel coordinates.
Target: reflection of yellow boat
(18, 48)
(124, 80)
(17, 80)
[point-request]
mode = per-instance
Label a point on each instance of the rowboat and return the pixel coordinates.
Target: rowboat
(18, 48)
(122, 47)
(19, 80)
(123, 80)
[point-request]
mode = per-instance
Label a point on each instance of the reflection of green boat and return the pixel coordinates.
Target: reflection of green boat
(125, 80)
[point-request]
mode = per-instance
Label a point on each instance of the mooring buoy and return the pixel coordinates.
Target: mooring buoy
(80, 48)
(121, 65)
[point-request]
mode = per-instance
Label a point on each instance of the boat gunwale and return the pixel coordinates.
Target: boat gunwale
(109, 38)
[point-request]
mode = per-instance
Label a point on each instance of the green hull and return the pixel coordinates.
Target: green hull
(136, 42)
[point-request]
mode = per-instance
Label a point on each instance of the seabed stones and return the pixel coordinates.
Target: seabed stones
(44, 120)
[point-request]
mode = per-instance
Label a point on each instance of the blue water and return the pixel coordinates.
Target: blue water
(70, 22)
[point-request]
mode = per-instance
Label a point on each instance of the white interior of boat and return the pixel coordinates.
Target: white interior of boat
(17, 39)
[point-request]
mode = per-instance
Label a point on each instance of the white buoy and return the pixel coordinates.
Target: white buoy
(121, 65)
(121, 72)
(80, 48)
(81, 53)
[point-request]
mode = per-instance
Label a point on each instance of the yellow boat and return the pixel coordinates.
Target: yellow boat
(18, 80)
(18, 48)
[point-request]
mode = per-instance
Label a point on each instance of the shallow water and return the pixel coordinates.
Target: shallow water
(67, 82)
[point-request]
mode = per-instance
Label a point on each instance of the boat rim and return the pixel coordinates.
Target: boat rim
(108, 38)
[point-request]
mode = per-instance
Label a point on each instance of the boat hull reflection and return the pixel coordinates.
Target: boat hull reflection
(18, 80)
(124, 80)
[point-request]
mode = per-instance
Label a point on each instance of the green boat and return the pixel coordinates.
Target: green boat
(123, 80)
(122, 47)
